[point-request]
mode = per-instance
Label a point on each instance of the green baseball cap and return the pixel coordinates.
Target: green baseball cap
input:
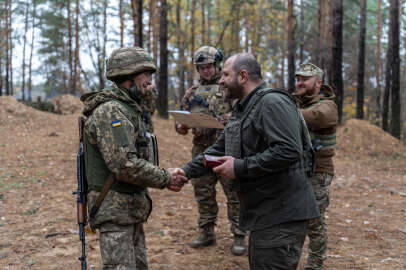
(309, 70)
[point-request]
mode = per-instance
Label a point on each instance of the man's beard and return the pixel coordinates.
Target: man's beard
(234, 90)
(309, 91)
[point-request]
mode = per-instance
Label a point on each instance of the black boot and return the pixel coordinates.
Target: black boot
(238, 248)
(206, 238)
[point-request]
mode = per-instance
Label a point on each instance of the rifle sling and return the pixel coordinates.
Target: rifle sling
(107, 186)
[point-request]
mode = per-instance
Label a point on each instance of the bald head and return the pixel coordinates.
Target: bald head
(247, 61)
(241, 75)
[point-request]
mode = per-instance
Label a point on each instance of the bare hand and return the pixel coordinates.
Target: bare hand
(178, 179)
(152, 88)
(225, 170)
(181, 129)
(224, 118)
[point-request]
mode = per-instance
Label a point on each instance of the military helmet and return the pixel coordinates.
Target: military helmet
(207, 55)
(127, 61)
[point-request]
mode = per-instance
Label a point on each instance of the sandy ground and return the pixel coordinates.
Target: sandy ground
(38, 229)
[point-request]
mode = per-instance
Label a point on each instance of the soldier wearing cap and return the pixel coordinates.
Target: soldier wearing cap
(207, 97)
(316, 101)
(117, 146)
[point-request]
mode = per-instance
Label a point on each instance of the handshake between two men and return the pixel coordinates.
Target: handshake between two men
(223, 166)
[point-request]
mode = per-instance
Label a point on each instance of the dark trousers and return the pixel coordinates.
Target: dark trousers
(277, 247)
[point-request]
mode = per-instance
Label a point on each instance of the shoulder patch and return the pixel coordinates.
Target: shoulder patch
(116, 123)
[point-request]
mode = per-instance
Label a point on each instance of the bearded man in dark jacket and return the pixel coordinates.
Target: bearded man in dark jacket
(264, 150)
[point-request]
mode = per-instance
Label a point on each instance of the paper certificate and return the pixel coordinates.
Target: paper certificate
(196, 119)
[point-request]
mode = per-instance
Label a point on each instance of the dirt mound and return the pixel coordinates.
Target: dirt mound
(12, 111)
(67, 104)
(10, 105)
(360, 138)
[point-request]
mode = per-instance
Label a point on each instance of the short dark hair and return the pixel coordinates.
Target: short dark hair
(248, 62)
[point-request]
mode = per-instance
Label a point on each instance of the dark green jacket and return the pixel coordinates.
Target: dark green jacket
(270, 179)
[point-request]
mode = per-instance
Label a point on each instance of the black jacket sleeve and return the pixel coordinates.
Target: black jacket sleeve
(195, 168)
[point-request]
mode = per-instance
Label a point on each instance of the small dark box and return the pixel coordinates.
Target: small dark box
(211, 161)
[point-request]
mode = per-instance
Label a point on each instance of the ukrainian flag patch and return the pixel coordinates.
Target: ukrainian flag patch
(116, 123)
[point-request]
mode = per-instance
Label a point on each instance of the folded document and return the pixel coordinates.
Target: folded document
(196, 119)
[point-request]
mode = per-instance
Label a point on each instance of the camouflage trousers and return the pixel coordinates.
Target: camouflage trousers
(122, 247)
(205, 195)
(317, 230)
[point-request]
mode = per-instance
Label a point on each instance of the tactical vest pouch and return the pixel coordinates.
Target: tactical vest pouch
(309, 155)
(321, 142)
(152, 149)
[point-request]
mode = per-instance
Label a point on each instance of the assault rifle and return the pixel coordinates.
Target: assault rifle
(81, 192)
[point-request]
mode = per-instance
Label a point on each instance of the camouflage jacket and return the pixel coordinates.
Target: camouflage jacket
(210, 93)
(115, 131)
(321, 116)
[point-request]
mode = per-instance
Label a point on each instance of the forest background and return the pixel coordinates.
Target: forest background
(54, 47)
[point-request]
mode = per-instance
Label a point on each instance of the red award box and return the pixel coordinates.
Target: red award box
(211, 161)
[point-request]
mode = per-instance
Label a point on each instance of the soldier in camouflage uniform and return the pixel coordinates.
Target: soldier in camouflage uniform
(207, 97)
(319, 110)
(116, 143)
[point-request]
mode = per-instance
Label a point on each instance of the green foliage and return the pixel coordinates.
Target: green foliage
(45, 106)
(53, 45)
(31, 212)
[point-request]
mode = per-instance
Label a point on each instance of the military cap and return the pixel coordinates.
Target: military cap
(127, 61)
(309, 70)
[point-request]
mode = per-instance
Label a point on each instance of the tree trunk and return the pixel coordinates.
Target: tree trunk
(134, 14)
(1, 57)
(388, 81)
(324, 33)
(329, 46)
(247, 41)
(156, 31)
(361, 61)
(192, 43)
(181, 50)
(236, 27)
(139, 24)
(163, 62)
(209, 22)
(150, 23)
(24, 43)
(1, 54)
(284, 45)
(395, 123)
(378, 63)
(121, 23)
(102, 58)
(317, 41)
(77, 83)
(34, 7)
(337, 55)
(203, 3)
(11, 48)
(301, 45)
(6, 32)
(71, 79)
(255, 36)
(291, 47)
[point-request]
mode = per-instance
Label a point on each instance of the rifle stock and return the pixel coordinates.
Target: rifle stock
(81, 193)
